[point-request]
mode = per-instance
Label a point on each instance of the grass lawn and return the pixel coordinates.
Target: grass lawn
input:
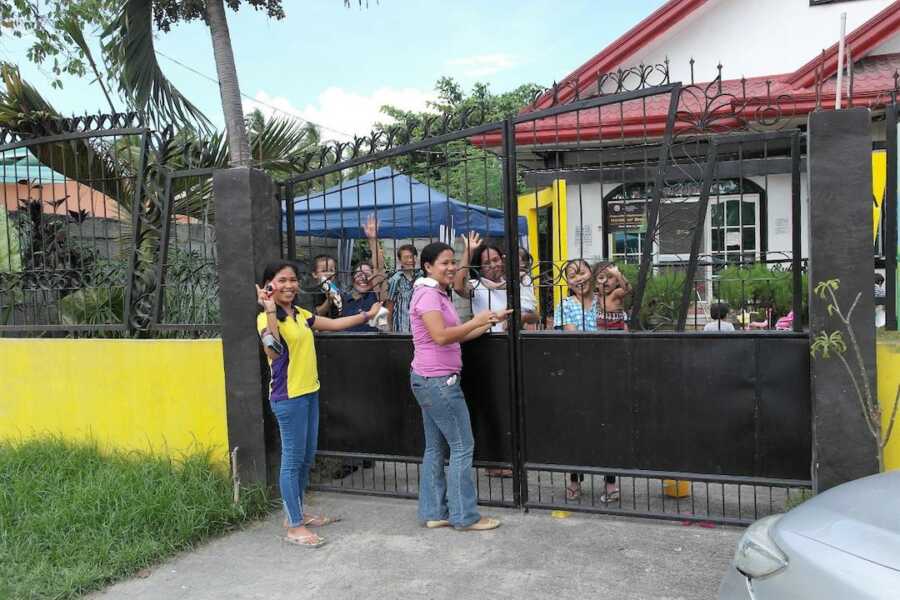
(73, 519)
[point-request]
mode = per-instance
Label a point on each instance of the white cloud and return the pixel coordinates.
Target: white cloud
(342, 113)
(483, 64)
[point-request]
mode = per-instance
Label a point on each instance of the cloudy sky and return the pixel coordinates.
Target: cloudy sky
(336, 66)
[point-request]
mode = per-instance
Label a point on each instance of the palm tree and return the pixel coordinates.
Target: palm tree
(239, 147)
(129, 50)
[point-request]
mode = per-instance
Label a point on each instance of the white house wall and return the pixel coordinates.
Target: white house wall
(778, 208)
(754, 38)
(584, 209)
(585, 214)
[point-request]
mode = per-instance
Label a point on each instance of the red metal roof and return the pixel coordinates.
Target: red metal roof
(757, 99)
(784, 95)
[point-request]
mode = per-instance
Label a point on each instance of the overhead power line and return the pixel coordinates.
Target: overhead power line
(248, 97)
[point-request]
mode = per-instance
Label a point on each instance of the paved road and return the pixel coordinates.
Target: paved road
(378, 551)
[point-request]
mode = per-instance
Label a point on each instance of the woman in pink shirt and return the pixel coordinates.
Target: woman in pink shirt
(449, 500)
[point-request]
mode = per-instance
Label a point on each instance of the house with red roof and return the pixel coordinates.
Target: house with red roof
(761, 65)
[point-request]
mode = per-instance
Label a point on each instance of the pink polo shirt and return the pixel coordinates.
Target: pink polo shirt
(429, 358)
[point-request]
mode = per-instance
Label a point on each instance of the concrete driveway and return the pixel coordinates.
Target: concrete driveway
(379, 551)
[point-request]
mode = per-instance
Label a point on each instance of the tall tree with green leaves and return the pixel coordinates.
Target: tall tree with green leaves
(48, 26)
(464, 171)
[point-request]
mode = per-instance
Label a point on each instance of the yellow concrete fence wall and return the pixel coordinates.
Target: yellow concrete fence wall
(165, 396)
(888, 355)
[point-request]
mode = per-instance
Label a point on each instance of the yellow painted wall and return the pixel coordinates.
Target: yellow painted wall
(166, 396)
(888, 355)
(555, 197)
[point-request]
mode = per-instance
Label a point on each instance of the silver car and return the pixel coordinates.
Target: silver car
(842, 544)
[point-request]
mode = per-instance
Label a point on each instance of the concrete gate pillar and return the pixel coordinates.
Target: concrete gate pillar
(840, 247)
(247, 237)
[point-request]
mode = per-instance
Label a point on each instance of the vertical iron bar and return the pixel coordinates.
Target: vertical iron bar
(511, 216)
(287, 192)
(653, 211)
(796, 242)
(890, 225)
(699, 231)
(156, 317)
(136, 207)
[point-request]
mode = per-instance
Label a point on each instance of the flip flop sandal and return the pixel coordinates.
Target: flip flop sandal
(607, 497)
(310, 541)
(484, 524)
(320, 521)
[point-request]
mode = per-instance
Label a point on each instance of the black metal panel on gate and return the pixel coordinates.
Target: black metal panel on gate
(366, 405)
(671, 403)
(719, 410)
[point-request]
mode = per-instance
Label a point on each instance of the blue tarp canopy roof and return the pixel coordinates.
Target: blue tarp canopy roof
(405, 208)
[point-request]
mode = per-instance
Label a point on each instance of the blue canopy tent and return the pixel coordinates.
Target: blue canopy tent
(405, 209)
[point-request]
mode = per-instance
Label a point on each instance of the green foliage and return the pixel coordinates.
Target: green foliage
(10, 259)
(662, 296)
(169, 12)
(461, 170)
(93, 306)
(823, 288)
(192, 289)
(131, 57)
(796, 499)
(191, 293)
(50, 25)
(73, 519)
(760, 287)
(825, 343)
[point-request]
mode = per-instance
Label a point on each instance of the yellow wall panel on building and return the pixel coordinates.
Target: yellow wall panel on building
(166, 396)
(888, 357)
(554, 197)
(879, 184)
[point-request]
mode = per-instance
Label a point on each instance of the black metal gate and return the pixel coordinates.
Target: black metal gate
(673, 184)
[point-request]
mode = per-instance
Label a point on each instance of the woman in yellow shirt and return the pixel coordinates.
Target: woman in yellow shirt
(286, 332)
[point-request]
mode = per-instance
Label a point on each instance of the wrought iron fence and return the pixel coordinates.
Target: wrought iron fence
(95, 219)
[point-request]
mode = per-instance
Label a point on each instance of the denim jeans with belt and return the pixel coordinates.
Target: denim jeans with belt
(447, 427)
(298, 423)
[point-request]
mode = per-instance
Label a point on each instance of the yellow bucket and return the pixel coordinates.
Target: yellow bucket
(676, 489)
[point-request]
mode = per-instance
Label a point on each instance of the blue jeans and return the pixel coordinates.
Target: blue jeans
(298, 422)
(447, 426)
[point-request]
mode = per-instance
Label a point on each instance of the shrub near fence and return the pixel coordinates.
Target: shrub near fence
(103, 235)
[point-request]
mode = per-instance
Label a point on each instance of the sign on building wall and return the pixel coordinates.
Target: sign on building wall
(622, 216)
